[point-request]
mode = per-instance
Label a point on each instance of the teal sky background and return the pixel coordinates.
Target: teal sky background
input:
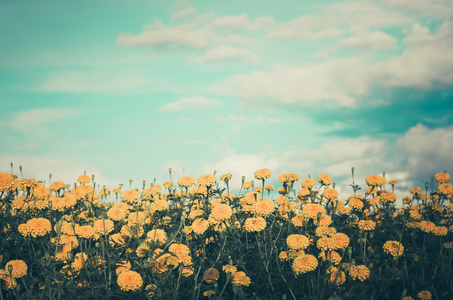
(127, 89)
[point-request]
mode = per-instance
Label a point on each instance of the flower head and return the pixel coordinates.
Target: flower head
(304, 263)
(129, 281)
(38, 227)
(263, 174)
(206, 180)
(20, 268)
(393, 248)
(297, 241)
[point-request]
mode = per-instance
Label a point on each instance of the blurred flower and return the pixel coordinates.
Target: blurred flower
(336, 275)
(6, 180)
(298, 220)
(324, 179)
(269, 187)
(330, 194)
(211, 275)
(308, 183)
(424, 295)
(311, 210)
(206, 180)
(186, 181)
(229, 269)
(375, 180)
(427, 226)
(255, 224)
(246, 185)
(38, 227)
(156, 236)
(262, 174)
(226, 177)
(57, 185)
(222, 212)
(264, 208)
(130, 196)
(388, 198)
(84, 179)
(440, 230)
(200, 225)
(129, 281)
(366, 225)
(19, 268)
(442, 177)
(355, 202)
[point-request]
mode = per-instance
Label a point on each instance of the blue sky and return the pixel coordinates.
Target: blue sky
(127, 89)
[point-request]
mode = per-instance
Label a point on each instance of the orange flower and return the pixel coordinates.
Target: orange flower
(57, 185)
(298, 220)
(255, 224)
(303, 192)
(117, 213)
(442, 177)
(262, 174)
(341, 240)
(355, 203)
(222, 212)
(85, 231)
(117, 239)
(84, 179)
(151, 191)
(156, 236)
(393, 248)
(179, 249)
(6, 180)
(101, 226)
(200, 225)
(20, 268)
(308, 183)
(324, 179)
(269, 187)
(241, 280)
(359, 272)
(246, 185)
(130, 196)
(388, 198)
(325, 231)
(229, 269)
(206, 180)
(424, 295)
(427, 226)
(445, 188)
(264, 208)
(330, 194)
(130, 281)
(336, 275)
(186, 181)
(79, 261)
(304, 263)
(211, 275)
(440, 231)
(226, 177)
(375, 180)
(297, 241)
(311, 210)
(10, 283)
(38, 227)
(367, 225)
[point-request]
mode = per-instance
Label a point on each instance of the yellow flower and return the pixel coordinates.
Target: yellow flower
(211, 275)
(393, 248)
(262, 174)
(130, 281)
(359, 272)
(304, 263)
(424, 295)
(38, 227)
(206, 180)
(84, 179)
(442, 177)
(324, 179)
(229, 269)
(226, 177)
(156, 236)
(264, 208)
(200, 225)
(255, 224)
(440, 230)
(221, 212)
(375, 180)
(186, 181)
(208, 293)
(20, 268)
(336, 275)
(367, 225)
(427, 226)
(308, 183)
(297, 241)
(311, 211)
(130, 196)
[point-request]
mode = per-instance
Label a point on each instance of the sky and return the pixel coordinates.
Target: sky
(128, 89)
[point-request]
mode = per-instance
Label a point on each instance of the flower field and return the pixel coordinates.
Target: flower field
(194, 239)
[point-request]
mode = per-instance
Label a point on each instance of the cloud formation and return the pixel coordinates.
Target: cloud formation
(190, 103)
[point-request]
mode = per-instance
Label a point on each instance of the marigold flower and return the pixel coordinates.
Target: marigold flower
(20, 268)
(324, 179)
(297, 241)
(330, 194)
(367, 225)
(104, 226)
(38, 227)
(264, 208)
(229, 269)
(263, 174)
(79, 261)
(269, 187)
(355, 203)
(10, 283)
(440, 230)
(226, 177)
(117, 213)
(247, 185)
(336, 275)
(179, 249)
(448, 245)
(341, 240)
(211, 275)
(41, 192)
(304, 263)
(325, 231)
(375, 180)
(130, 281)
(222, 212)
(6, 180)
(130, 196)
(255, 224)
(117, 239)
(445, 188)
(424, 295)
(186, 181)
(427, 226)
(200, 225)
(308, 183)
(85, 231)
(416, 190)
(442, 177)
(206, 180)
(84, 179)
(359, 272)
(150, 192)
(388, 198)
(311, 210)
(298, 220)
(157, 236)
(241, 280)
(393, 248)
(208, 293)
(122, 266)
(331, 256)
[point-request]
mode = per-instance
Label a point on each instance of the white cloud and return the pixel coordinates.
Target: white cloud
(369, 40)
(301, 85)
(429, 150)
(225, 54)
(93, 82)
(427, 59)
(184, 14)
(195, 142)
(440, 9)
(189, 103)
(238, 123)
